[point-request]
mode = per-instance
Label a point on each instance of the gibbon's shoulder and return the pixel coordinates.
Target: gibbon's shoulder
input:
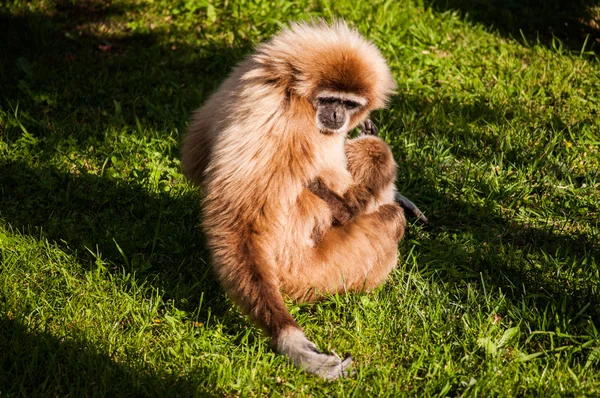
(315, 56)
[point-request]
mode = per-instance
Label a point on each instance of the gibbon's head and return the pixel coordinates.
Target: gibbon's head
(332, 67)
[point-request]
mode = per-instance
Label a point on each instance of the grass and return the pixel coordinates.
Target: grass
(105, 286)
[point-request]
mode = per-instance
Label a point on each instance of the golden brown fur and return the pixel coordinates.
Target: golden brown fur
(257, 153)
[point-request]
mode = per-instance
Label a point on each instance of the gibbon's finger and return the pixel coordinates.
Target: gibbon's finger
(342, 213)
(341, 370)
(368, 128)
(410, 208)
(345, 364)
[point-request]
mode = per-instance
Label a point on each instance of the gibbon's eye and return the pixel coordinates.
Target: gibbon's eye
(328, 100)
(351, 104)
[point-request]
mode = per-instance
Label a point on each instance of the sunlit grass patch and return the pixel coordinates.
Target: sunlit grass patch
(105, 282)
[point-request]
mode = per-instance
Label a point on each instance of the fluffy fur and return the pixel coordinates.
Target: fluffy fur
(257, 153)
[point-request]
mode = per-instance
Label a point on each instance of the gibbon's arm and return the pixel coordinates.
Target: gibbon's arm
(355, 200)
(343, 213)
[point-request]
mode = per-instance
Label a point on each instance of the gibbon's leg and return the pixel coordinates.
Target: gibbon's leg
(361, 253)
(354, 257)
(367, 128)
(251, 282)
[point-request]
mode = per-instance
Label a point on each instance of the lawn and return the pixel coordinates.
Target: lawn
(105, 283)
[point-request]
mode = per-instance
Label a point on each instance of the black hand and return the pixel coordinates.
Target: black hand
(368, 128)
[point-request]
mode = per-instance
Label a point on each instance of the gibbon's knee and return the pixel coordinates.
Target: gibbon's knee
(373, 169)
(394, 215)
(370, 162)
(388, 224)
(194, 159)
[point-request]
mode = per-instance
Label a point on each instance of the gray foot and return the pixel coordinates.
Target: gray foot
(305, 355)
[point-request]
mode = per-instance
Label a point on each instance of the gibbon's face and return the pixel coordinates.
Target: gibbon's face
(334, 111)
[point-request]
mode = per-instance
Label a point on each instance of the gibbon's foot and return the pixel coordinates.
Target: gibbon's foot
(305, 355)
(368, 128)
(410, 209)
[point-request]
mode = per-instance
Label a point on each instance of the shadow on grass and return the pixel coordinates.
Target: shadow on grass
(38, 363)
(71, 78)
(476, 131)
(157, 237)
(472, 241)
(72, 72)
(75, 71)
(569, 21)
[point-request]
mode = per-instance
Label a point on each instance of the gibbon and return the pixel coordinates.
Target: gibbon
(292, 208)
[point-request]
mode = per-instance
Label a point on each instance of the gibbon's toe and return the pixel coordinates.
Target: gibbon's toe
(338, 370)
(331, 366)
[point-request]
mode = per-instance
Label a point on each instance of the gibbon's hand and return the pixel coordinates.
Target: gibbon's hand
(367, 128)
(341, 212)
(410, 209)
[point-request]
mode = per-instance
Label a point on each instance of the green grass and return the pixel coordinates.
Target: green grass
(105, 285)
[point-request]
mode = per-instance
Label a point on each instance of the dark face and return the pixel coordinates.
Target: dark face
(334, 113)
